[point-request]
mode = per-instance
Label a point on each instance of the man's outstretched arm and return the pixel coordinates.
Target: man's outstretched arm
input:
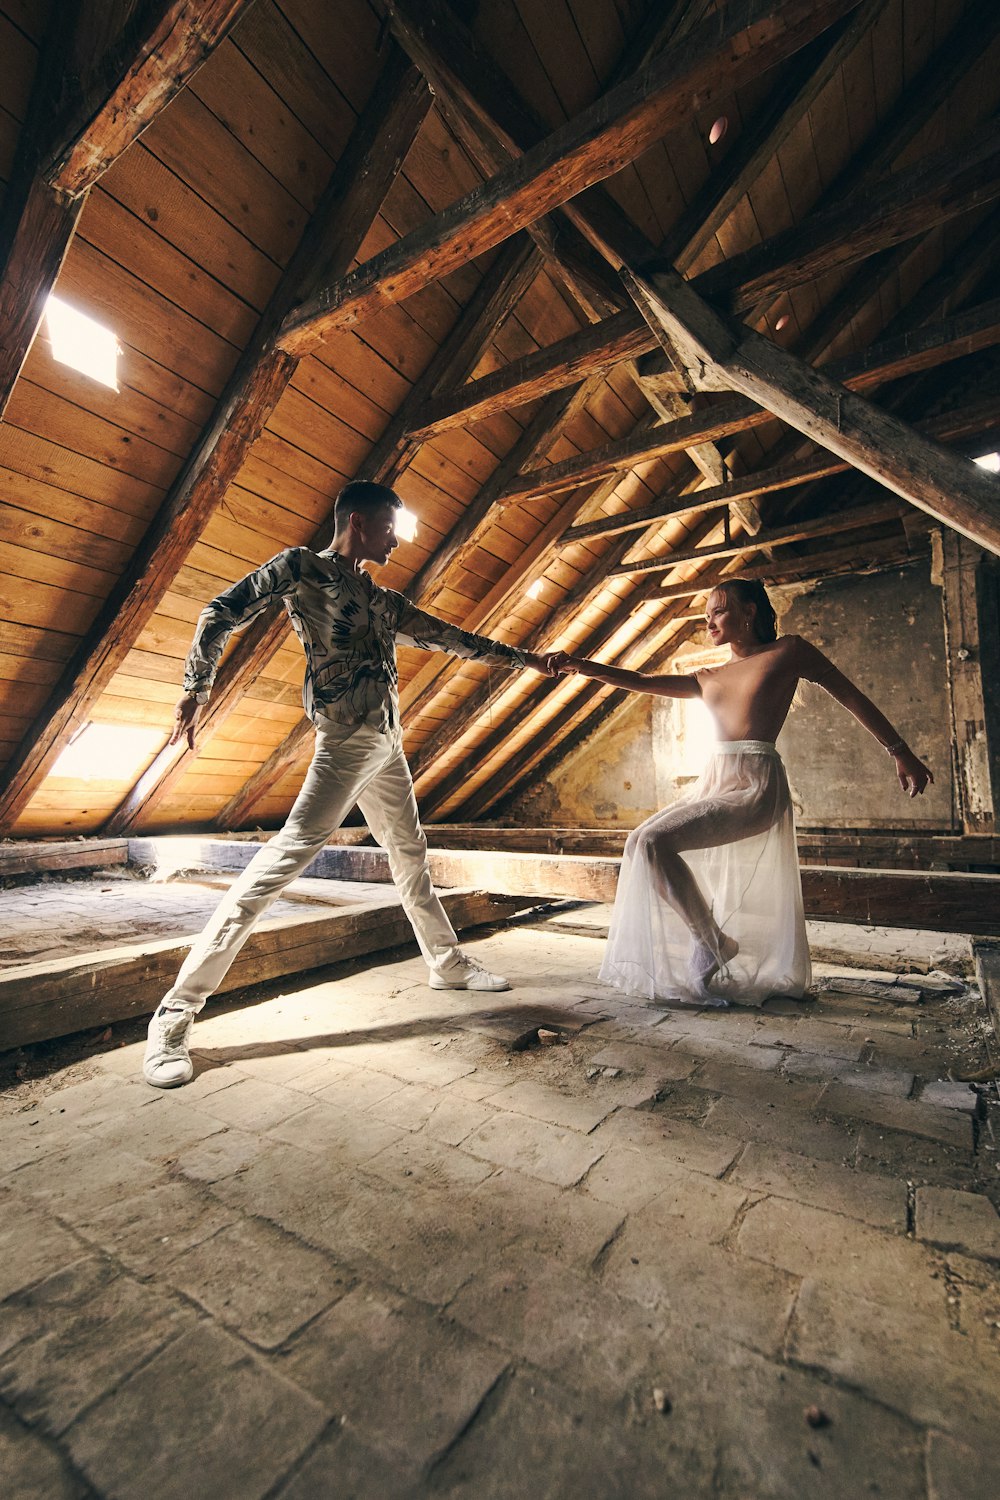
(430, 633)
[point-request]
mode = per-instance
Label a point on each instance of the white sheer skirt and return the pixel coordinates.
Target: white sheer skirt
(709, 903)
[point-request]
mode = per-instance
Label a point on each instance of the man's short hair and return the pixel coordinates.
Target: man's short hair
(363, 496)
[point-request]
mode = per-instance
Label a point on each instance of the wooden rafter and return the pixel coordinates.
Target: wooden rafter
(73, 133)
(725, 50)
(387, 128)
(951, 489)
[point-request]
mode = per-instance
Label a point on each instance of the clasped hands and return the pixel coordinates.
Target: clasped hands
(551, 663)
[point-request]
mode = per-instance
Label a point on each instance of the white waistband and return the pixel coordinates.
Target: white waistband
(746, 747)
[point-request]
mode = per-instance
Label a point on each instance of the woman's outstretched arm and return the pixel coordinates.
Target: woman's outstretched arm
(913, 775)
(668, 686)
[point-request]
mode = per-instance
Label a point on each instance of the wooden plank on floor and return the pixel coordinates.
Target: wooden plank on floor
(43, 1000)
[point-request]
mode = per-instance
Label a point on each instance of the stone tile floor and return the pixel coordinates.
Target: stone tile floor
(373, 1251)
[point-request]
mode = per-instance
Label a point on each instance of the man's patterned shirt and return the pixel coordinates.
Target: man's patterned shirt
(348, 627)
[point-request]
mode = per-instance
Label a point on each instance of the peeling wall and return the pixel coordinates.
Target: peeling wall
(885, 631)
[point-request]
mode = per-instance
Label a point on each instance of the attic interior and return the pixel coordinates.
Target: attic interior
(623, 298)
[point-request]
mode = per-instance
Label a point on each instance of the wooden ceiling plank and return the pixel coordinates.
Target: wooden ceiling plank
(895, 209)
(774, 536)
(352, 200)
(950, 488)
(728, 48)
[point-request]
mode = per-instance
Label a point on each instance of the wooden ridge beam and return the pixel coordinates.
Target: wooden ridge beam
(728, 48)
(388, 126)
(951, 489)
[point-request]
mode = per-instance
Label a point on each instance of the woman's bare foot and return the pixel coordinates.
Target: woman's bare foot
(708, 956)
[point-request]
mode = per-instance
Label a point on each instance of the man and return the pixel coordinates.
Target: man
(348, 627)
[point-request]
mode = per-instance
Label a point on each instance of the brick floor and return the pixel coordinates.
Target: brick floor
(373, 1251)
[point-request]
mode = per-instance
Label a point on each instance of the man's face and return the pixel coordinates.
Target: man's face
(376, 532)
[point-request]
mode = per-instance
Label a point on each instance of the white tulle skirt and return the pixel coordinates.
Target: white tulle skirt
(735, 835)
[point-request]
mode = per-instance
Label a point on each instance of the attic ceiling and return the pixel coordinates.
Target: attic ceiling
(558, 270)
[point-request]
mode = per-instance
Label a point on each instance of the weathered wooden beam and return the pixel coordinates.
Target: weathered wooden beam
(158, 52)
(592, 351)
(43, 1000)
(389, 125)
(972, 644)
(967, 332)
(772, 536)
(951, 489)
(30, 857)
(725, 50)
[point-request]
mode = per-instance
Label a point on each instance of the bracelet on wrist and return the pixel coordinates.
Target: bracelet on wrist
(895, 748)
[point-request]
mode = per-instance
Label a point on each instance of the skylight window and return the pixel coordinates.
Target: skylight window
(406, 525)
(990, 461)
(108, 752)
(534, 589)
(82, 343)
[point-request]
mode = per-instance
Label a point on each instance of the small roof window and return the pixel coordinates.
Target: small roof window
(406, 524)
(990, 461)
(83, 343)
(108, 752)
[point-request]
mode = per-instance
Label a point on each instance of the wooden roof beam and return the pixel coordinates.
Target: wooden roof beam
(388, 126)
(728, 48)
(953, 490)
(977, 328)
(907, 204)
(65, 148)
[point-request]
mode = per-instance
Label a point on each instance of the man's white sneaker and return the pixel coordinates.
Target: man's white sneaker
(472, 977)
(167, 1063)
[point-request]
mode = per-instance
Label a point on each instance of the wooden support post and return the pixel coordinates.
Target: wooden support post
(952, 489)
(970, 590)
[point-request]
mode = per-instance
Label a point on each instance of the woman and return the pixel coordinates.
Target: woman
(709, 903)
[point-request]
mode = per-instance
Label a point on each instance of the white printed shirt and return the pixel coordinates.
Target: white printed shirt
(348, 626)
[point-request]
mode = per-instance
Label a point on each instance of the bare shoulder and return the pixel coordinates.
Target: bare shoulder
(808, 659)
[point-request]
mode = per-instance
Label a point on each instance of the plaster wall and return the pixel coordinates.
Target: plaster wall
(885, 631)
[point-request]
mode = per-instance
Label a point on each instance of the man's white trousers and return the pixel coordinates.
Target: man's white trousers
(351, 764)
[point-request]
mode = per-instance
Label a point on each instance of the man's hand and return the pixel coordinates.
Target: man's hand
(185, 719)
(913, 775)
(538, 663)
